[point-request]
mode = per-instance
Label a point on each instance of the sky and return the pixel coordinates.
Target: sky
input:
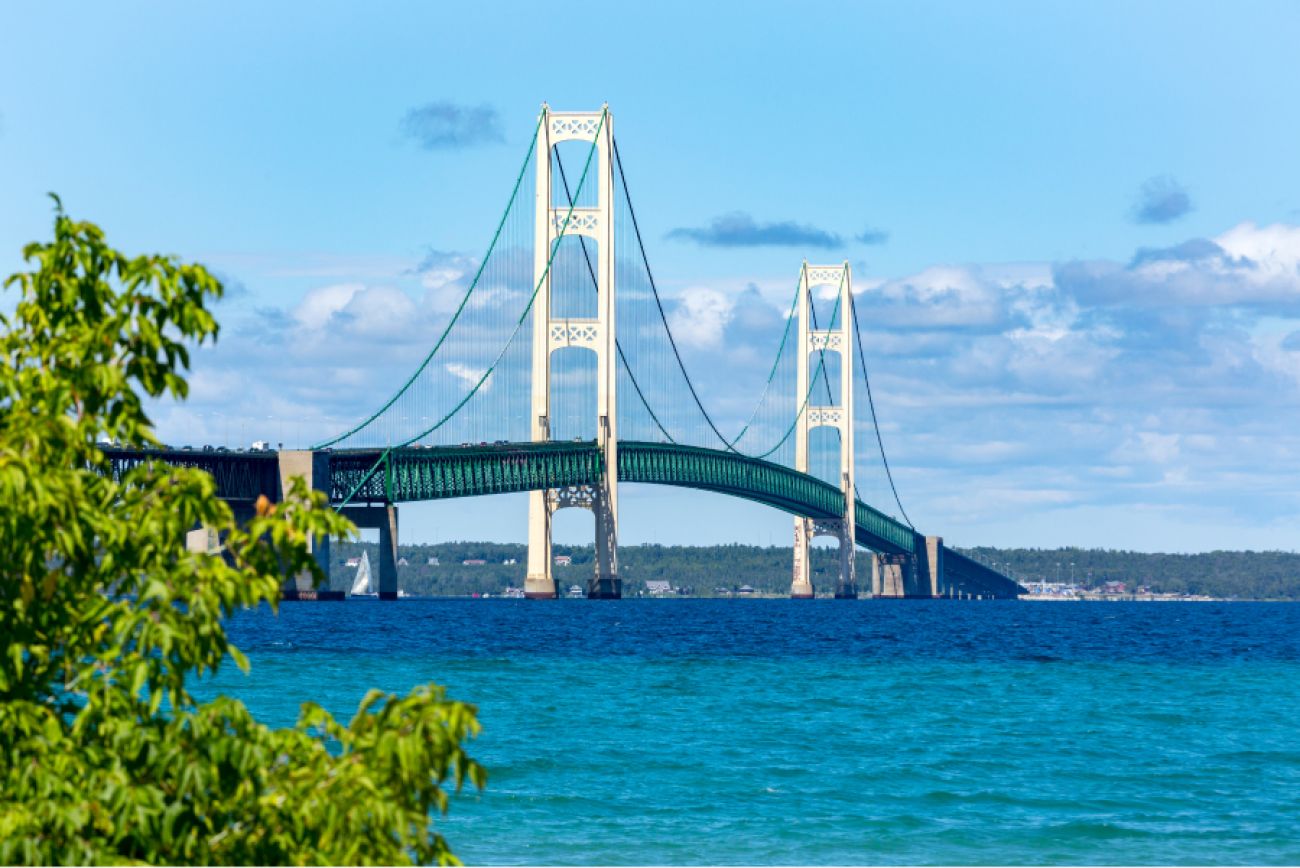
(1074, 228)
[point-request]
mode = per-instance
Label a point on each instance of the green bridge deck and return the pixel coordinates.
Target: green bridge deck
(468, 471)
(420, 474)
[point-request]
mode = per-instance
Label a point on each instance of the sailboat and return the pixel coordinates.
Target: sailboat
(362, 585)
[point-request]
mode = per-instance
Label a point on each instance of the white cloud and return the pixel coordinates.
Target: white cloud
(467, 375)
(319, 305)
(1011, 395)
(700, 317)
(1248, 265)
(1273, 251)
(383, 313)
(445, 279)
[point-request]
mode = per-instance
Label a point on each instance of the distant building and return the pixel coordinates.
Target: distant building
(474, 562)
(403, 562)
(352, 562)
(510, 562)
(433, 561)
(563, 560)
(744, 589)
(657, 587)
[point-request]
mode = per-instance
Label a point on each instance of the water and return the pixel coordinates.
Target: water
(772, 731)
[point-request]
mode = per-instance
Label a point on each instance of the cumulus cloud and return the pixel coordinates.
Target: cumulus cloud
(351, 311)
(1161, 200)
(445, 278)
(1013, 395)
(443, 125)
(739, 229)
(384, 313)
(319, 305)
(1247, 265)
(949, 297)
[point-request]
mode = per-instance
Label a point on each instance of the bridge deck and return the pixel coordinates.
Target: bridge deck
(419, 474)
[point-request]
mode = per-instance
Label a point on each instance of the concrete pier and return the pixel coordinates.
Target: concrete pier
(314, 468)
(383, 518)
(604, 588)
(203, 540)
(930, 570)
(890, 576)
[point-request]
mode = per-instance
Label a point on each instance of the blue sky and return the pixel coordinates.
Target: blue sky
(1075, 229)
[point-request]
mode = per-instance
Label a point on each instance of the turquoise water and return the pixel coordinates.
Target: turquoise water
(828, 732)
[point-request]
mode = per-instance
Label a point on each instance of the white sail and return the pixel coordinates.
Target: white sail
(361, 584)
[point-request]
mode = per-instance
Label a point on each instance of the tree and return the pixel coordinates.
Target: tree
(105, 757)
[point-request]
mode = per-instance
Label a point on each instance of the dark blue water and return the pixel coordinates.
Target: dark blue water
(831, 732)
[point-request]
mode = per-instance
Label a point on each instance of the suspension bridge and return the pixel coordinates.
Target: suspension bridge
(558, 373)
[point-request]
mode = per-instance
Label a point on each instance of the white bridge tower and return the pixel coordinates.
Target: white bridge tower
(551, 333)
(834, 339)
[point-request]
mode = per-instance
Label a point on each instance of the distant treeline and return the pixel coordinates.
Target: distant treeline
(1243, 575)
(700, 571)
(709, 570)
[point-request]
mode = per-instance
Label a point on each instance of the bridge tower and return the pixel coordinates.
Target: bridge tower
(551, 333)
(835, 337)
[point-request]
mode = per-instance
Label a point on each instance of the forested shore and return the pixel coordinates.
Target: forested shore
(716, 570)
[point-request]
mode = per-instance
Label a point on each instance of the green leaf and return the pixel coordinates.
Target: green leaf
(104, 605)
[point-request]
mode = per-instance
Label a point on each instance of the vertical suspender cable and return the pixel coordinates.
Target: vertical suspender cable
(550, 261)
(866, 379)
(595, 285)
(728, 444)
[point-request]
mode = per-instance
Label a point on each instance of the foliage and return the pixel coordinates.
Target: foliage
(104, 755)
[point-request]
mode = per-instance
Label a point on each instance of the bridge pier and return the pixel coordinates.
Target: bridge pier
(807, 529)
(314, 468)
(801, 587)
(847, 587)
(604, 588)
(605, 584)
(891, 576)
(539, 583)
(383, 518)
(202, 540)
(920, 577)
(929, 568)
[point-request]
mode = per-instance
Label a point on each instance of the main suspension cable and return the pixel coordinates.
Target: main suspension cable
(550, 260)
(532, 146)
(595, 285)
(636, 226)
